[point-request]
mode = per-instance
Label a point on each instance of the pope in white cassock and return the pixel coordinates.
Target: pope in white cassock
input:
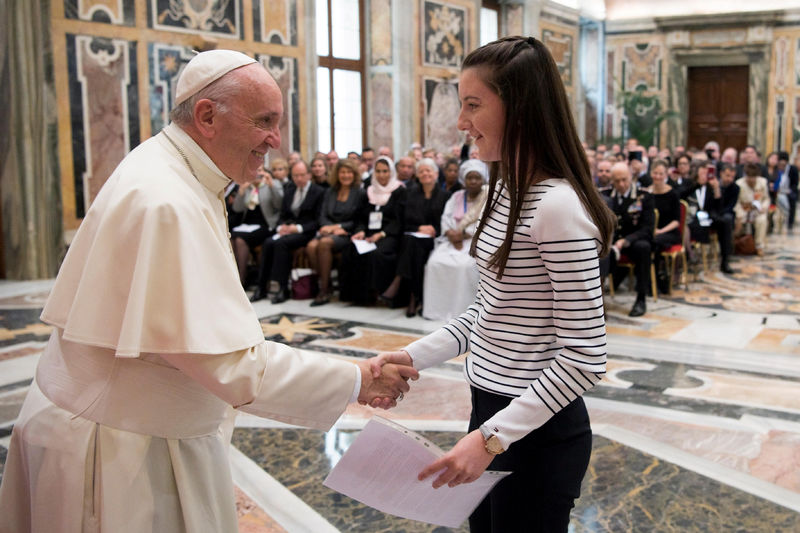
(154, 337)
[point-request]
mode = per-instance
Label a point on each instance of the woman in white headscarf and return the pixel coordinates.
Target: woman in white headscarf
(451, 274)
(363, 276)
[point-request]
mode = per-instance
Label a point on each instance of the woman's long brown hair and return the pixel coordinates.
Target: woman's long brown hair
(539, 139)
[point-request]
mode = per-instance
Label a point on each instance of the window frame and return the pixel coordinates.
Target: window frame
(335, 63)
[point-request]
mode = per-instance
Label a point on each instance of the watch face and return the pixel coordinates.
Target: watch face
(493, 445)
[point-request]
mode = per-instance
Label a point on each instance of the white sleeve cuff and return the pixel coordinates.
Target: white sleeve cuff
(356, 387)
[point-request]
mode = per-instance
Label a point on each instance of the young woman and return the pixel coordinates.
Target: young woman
(536, 333)
(666, 200)
(338, 219)
(364, 276)
(319, 171)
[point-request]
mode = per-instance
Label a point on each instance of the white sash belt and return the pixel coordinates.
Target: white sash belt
(128, 394)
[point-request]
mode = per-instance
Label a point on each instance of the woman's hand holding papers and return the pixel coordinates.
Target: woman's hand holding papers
(463, 464)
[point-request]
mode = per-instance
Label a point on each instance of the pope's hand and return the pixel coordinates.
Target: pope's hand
(463, 464)
(390, 383)
(376, 365)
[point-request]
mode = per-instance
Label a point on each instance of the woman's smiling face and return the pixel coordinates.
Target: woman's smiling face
(482, 114)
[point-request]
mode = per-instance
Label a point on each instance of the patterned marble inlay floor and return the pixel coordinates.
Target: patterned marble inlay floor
(624, 489)
(697, 421)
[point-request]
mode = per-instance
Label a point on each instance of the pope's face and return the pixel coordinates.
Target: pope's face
(482, 114)
(249, 128)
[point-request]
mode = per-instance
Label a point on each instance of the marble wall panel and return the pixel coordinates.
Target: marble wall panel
(382, 108)
(444, 34)
(165, 63)
(284, 70)
(642, 66)
(221, 18)
(797, 64)
(441, 113)
(610, 108)
(121, 12)
(380, 28)
(104, 109)
(515, 15)
(561, 46)
(275, 21)
(783, 112)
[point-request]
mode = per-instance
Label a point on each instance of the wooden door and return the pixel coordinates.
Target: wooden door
(718, 106)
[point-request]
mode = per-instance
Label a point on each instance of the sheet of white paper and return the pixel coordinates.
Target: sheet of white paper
(419, 235)
(380, 470)
(246, 228)
(364, 247)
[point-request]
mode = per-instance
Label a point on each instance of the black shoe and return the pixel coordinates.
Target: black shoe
(260, 294)
(388, 302)
(726, 268)
(321, 299)
(639, 308)
(281, 296)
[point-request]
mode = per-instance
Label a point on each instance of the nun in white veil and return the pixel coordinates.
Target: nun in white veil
(451, 275)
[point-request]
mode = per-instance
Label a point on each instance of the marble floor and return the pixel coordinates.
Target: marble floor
(697, 423)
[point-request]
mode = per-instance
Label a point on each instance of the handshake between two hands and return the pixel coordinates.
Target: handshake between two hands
(384, 380)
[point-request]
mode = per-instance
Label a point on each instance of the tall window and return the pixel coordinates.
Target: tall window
(490, 21)
(340, 76)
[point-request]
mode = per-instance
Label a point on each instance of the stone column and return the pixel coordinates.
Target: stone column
(404, 78)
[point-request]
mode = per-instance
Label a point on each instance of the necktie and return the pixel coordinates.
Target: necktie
(297, 201)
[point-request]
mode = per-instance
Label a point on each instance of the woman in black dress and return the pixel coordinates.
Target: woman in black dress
(363, 276)
(421, 225)
(667, 233)
(338, 219)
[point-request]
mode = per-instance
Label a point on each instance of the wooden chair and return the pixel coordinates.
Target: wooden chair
(677, 250)
(624, 261)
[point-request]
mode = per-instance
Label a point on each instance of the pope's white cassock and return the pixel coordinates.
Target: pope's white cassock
(153, 339)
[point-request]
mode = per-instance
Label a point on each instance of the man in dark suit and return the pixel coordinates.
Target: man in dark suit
(634, 234)
(750, 155)
(786, 185)
(297, 224)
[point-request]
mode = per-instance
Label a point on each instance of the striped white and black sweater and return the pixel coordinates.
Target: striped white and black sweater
(537, 334)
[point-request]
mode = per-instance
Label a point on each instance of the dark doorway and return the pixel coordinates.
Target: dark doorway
(718, 106)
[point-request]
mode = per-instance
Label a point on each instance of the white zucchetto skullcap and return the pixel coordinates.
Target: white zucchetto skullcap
(205, 68)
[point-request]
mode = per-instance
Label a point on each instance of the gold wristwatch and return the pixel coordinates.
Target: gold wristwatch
(491, 442)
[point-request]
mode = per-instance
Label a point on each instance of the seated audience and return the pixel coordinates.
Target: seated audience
(332, 158)
(339, 217)
(667, 233)
(450, 180)
(785, 187)
(634, 234)
(256, 209)
(319, 171)
(405, 172)
(603, 178)
(638, 166)
(363, 276)
(750, 155)
(753, 204)
(297, 224)
(681, 180)
(280, 170)
(421, 224)
(451, 274)
(706, 212)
